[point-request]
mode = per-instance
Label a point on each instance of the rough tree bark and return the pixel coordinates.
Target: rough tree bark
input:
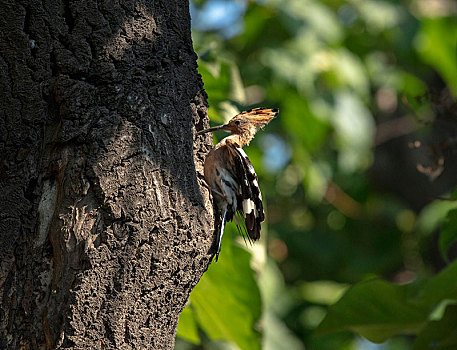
(104, 230)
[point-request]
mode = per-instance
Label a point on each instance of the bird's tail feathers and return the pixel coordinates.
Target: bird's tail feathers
(220, 226)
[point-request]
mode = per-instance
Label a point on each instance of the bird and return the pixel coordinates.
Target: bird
(232, 178)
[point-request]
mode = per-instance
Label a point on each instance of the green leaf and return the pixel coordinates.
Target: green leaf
(237, 92)
(379, 15)
(217, 81)
(355, 129)
(317, 16)
(436, 43)
(297, 118)
(439, 335)
(448, 233)
(278, 336)
(349, 71)
(322, 292)
(433, 215)
(223, 83)
(226, 301)
(442, 286)
(187, 326)
(412, 86)
(376, 310)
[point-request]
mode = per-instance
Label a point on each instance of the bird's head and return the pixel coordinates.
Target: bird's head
(247, 123)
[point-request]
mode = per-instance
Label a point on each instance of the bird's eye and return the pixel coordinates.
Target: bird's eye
(237, 122)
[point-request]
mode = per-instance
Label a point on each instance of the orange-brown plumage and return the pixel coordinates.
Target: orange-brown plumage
(231, 176)
(244, 125)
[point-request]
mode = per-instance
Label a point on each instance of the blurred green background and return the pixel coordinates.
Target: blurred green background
(357, 173)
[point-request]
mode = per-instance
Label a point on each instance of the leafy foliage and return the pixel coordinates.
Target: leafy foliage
(378, 310)
(226, 302)
(356, 173)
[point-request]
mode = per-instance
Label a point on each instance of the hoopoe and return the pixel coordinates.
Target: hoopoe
(232, 178)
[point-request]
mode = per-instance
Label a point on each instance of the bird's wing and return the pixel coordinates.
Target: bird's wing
(250, 198)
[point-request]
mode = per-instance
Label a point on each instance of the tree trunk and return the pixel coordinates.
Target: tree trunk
(103, 228)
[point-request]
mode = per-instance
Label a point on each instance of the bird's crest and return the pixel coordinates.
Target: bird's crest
(245, 124)
(259, 117)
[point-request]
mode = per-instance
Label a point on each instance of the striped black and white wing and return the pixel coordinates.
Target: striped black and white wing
(250, 201)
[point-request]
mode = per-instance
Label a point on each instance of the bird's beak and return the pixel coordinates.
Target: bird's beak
(214, 128)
